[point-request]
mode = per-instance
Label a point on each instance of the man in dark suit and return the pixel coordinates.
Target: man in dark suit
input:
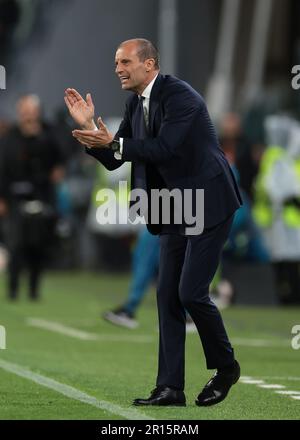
(167, 135)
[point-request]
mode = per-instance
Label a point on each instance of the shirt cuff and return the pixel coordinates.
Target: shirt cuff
(118, 154)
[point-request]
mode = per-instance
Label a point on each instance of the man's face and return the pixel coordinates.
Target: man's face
(133, 73)
(29, 116)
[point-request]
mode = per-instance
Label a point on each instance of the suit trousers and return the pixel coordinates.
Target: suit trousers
(187, 267)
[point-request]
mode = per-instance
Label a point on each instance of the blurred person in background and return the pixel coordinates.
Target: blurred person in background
(239, 150)
(277, 204)
(112, 240)
(245, 242)
(74, 193)
(31, 166)
(240, 156)
(145, 261)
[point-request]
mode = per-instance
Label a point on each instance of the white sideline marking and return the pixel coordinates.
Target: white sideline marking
(282, 378)
(252, 381)
(72, 393)
(60, 328)
(261, 384)
(271, 386)
(295, 393)
(85, 336)
(260, 342)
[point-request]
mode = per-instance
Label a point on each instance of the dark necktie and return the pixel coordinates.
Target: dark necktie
(146, 115)
(142, 118)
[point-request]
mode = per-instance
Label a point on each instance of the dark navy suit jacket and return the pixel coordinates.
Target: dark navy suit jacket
(181, 151)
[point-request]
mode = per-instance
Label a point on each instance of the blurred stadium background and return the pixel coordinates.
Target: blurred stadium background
(239, 55)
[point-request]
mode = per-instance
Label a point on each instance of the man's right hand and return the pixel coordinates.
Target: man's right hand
(81, 111)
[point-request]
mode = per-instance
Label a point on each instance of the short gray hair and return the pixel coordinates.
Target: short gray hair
(146, 49)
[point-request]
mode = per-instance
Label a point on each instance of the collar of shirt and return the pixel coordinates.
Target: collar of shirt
(147, 92)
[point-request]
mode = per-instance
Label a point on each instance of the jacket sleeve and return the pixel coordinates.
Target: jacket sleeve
(106, 157)
(180, 109)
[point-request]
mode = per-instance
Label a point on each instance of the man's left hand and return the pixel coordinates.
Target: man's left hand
(100, 138)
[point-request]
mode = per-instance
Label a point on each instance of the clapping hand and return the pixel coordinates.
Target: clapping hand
(100, 138)
(82, 111)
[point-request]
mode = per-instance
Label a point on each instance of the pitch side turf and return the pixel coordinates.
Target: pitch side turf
(62, 361)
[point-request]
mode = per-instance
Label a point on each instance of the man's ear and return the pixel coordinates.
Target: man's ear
(149, 64)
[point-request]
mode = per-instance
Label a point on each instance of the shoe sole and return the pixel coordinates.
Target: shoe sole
(120, 322)
(211, 403)
(151, 404)
(215, 402)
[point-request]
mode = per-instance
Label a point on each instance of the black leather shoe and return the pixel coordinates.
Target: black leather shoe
(163, 396)
(218, 387)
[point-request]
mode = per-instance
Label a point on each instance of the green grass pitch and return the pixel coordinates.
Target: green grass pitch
(118, 367)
